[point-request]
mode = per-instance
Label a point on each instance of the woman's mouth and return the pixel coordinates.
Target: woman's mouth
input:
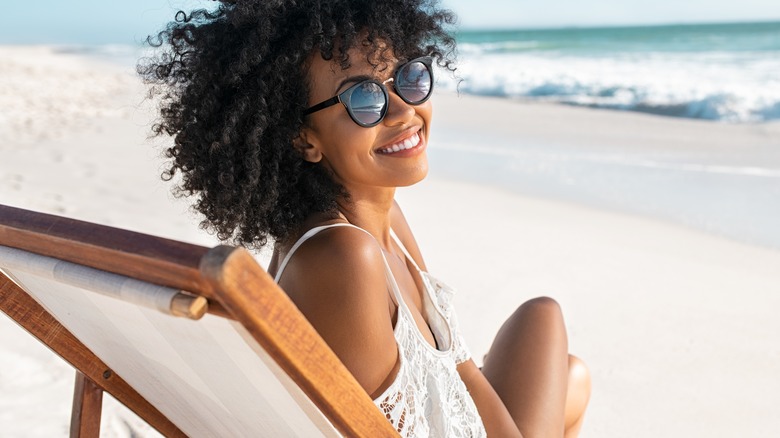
(409, 143)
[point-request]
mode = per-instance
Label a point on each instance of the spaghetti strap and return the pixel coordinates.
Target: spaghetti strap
(403, 248)
(306, 236)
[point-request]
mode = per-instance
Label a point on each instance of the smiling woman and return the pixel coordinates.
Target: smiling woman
(296, 122)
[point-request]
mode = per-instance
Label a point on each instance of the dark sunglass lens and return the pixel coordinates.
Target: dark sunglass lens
(367, 103)
(414, 82)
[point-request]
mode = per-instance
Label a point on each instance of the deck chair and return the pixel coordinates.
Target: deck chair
(196, 341)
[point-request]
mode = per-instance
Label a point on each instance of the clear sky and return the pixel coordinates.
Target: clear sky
(562, 13)
(125, 21)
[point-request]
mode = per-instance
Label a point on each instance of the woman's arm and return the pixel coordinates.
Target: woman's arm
(337, 279)
(498, 422)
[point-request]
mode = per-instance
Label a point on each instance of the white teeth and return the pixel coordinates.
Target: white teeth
(409, 143)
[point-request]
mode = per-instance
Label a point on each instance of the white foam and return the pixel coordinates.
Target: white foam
(728, 86)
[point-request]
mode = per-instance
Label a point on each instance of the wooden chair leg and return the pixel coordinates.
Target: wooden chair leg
(87, 408)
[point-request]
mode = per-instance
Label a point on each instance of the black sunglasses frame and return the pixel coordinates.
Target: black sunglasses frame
(344, 96)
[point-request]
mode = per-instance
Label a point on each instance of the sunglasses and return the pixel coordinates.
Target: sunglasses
(367, 101)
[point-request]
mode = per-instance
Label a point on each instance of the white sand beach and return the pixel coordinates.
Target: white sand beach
(675, 316)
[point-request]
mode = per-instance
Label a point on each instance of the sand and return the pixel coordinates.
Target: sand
(677, 325)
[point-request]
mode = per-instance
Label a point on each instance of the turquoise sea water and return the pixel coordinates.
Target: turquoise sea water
(728, 72)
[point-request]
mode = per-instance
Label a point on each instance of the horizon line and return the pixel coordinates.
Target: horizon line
(614, 25)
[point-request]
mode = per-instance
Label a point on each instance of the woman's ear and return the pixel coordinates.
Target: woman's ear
(308, 151)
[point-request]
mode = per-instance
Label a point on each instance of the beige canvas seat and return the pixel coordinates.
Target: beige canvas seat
(196, 341)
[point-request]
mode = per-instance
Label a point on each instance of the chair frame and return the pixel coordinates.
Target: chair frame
(235, 286)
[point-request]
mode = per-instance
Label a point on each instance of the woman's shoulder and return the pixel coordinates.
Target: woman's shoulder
(337, 254)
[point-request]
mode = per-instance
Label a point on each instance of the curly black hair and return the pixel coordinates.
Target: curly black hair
(233, 87)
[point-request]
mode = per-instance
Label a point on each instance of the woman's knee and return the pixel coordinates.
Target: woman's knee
(578, 369)
(536, 319)
(541, 308)
(579, 387)
(541, 304)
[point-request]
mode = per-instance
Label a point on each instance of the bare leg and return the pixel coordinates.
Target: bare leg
(577, 396)
(528, 366)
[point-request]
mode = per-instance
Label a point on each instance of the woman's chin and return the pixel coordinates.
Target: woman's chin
(419, 176)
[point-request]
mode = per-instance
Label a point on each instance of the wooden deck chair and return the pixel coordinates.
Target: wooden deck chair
(127, 311)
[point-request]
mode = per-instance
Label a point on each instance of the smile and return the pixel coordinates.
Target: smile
(408, 143)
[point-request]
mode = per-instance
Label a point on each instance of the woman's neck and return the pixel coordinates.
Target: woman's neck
(370, 212)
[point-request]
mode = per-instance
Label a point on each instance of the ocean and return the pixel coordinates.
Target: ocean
(724, 72)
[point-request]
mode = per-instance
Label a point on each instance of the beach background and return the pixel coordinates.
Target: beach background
(630, 172)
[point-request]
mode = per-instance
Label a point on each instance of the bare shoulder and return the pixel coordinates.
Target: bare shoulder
(337, 279)
(338, 254)
(404, 232)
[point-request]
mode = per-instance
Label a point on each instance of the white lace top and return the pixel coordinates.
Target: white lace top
(427, 397)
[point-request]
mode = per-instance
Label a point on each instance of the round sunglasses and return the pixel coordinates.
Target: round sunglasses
(367, 101)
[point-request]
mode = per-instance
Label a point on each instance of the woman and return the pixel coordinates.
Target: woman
(296, 120)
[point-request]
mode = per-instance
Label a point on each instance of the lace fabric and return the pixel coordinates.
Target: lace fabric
(428, 397)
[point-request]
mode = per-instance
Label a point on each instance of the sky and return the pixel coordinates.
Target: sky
(128, 21)
(565, 13)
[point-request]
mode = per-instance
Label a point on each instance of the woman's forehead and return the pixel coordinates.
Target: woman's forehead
(374, 63)
(379, 57)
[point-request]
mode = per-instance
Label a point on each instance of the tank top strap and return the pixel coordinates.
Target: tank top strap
(306, 236)
(403, 248)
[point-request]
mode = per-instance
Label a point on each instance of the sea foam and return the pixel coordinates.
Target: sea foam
(695, 71)
(713, 86)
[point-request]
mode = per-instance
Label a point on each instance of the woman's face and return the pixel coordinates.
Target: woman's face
(361, 157)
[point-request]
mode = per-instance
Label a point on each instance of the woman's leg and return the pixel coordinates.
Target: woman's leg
(577, 396)
(529, 367)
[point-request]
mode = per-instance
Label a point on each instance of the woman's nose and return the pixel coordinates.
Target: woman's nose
(398, 111)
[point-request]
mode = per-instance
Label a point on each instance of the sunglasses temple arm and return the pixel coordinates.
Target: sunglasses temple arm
(322, 105)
